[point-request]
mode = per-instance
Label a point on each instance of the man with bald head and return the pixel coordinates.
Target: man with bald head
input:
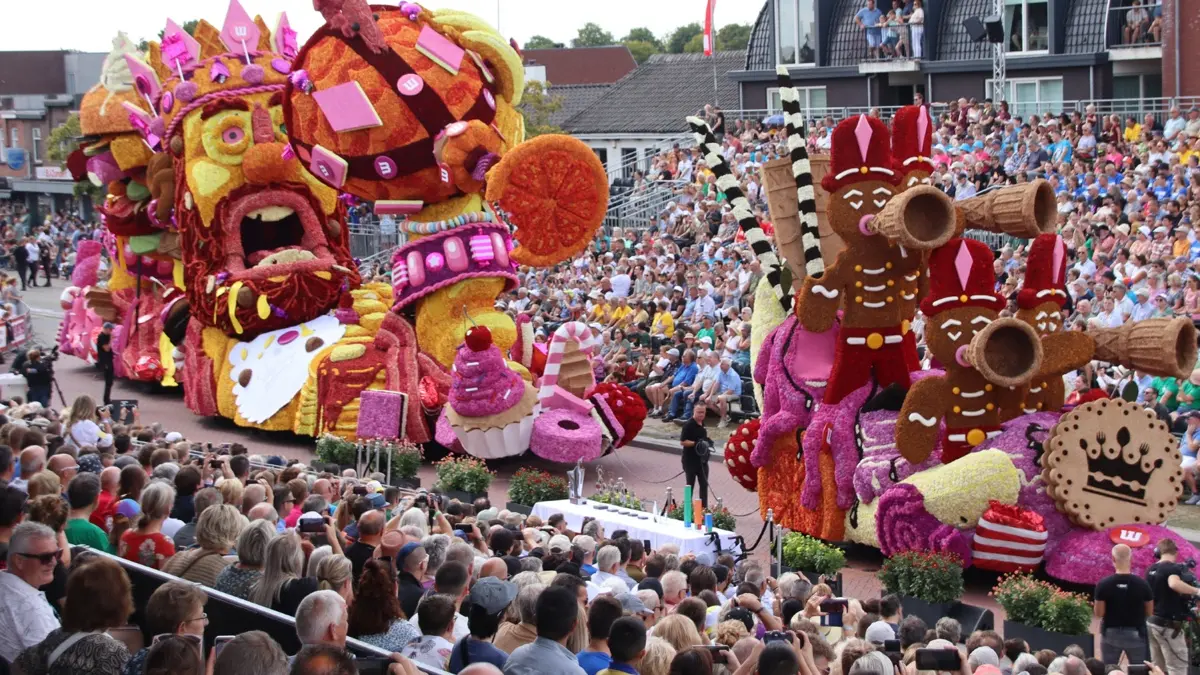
(252, 496)
(110, 480)
(370, 532)
(33, 460)
(263, 511)
(1123, 601)
(494, 567)
(323, 488)
(65, 467)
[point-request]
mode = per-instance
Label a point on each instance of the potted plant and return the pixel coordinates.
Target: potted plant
(929, 583)
(463, 478)
(406, 461)
(530, 486)
(817, 561)
(1043, 614)
(619, 498)
(338, 451)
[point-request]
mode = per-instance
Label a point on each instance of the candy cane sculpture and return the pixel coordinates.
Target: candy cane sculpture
(572, 427)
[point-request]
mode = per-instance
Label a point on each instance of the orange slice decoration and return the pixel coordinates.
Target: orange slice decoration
(556, 194)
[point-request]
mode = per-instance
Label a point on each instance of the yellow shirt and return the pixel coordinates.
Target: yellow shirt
(664, 324)
(619, 313)
(1181, 248)
(600, 310)
(1133, 133)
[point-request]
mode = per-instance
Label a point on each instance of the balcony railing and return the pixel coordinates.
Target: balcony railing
(1133, 24)
(892, 40)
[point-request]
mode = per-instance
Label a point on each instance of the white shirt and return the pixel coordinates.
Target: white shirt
(1112, 319)
(87, 432)
(26, 618)
(602, 578)
(620, 285)
(460, 625)
(33, 251)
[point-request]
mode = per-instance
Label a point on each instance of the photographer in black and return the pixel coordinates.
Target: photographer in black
(38, 374)
(696, 450)
(1174, 590)
(104, 359)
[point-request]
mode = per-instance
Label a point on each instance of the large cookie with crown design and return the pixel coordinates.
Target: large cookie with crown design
(1110, 462)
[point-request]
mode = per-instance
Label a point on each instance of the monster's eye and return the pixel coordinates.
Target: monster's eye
(233, 135)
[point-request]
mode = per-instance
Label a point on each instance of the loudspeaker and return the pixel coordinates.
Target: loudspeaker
(975, 29)
(995, 28)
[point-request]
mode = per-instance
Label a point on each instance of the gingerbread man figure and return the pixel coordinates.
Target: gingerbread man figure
(1040, 304)
(912, 145)
(870, 279)
(987, 359)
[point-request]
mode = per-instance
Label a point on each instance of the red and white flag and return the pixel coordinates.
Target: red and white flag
(709, 35)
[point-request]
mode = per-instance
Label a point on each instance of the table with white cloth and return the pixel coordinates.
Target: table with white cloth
(660, 530)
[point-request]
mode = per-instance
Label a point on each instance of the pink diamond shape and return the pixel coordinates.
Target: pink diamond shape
(922, 127)
(862, 131)
(239, 33)
(1058, 259)
(962, 264)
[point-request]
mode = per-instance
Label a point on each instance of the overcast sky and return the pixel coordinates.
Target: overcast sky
(89, 25)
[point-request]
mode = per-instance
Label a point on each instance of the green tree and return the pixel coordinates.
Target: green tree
(64, 139)
(695, 45)
(642, 50)
(682, 36)
(540, 42)
(537, 105)
(642, 35)
(592, 35)
(733, 37)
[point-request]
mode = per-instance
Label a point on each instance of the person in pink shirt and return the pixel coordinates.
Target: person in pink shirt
(299, 489)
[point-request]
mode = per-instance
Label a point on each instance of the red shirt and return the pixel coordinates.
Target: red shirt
(105, 508)
(152, 550)
(293, 517)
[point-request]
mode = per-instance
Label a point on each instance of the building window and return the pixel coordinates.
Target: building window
(1026, 25)
(1030, 96)
(35, 151)
(812, 100)
(1130, 91)
(629, 162)
(795, 31)
(15, 135)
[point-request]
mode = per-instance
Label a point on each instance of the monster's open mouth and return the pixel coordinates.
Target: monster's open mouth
(275, 231)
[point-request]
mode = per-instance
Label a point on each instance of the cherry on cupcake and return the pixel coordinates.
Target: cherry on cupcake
(478, 338)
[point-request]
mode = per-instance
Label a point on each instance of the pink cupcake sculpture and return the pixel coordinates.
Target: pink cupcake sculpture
(491, 409)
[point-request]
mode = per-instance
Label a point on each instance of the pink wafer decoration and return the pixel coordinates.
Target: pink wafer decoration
(574, 331)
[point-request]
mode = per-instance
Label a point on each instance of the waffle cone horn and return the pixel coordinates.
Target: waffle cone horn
(780, 186)
(1007, 352)
(920, 218)
(1022, 211)
(1160, 347)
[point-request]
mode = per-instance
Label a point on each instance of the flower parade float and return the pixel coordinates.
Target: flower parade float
(144, 269)
(976, 459)
(244, 142)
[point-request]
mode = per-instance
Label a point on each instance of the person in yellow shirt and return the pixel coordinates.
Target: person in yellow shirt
(664, 323)
(1133, 130)
(600, 307)
(620, 313)
(1181, 246)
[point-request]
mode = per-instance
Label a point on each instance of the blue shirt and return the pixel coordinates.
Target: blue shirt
(730, 381)
(478, 651)
(620, 668)
(542, 656)
(870, 18)
(594, 662)
(686, 375)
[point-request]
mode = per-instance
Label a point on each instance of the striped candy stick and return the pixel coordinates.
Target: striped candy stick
(728, 185)
(577, 336)
(814, 264)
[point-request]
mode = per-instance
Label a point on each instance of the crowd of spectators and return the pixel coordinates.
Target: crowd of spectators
(38, 251)
(466, 588)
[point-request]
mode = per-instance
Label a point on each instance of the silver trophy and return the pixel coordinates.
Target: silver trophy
(575, 482)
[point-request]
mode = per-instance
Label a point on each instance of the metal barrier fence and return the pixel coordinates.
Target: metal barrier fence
(228, 615)
(994, 240)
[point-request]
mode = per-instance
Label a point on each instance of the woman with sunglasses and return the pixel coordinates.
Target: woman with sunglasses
(175, 609)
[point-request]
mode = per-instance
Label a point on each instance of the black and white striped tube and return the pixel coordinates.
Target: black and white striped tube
(814, 264)
(728, 184)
